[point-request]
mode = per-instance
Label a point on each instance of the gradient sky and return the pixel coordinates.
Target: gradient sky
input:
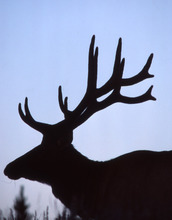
(44, 44)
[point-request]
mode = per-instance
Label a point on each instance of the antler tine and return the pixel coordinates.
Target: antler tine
(143, 98)
(23, 117)
(90, 95)
(63, 105)
(92, 67)
(26, 107)
(28, 119)
(142, 75)
(113, 98)
(109, 85)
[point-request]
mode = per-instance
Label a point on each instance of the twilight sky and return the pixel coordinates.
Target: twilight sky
(44, 44)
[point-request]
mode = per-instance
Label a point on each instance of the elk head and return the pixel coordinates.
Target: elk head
(55, 158)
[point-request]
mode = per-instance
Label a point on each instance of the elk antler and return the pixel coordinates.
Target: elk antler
(89, 104)
(28, 119)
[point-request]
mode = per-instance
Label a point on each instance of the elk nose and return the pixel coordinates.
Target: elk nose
(9, 173)
(6, 170)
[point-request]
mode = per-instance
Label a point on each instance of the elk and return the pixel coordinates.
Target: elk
(137, 185)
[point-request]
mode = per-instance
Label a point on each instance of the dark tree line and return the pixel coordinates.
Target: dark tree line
(20, 211)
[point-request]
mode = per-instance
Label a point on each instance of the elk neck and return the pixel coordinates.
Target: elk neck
(74, 175)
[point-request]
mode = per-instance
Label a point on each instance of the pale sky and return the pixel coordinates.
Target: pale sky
(44, 44)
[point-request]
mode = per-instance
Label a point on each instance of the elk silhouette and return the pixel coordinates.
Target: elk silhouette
(137, 185)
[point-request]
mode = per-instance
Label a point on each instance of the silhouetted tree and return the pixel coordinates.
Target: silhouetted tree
(35, 216)
(21, 207)
(67, 215)
(20, 211)
(1, 215)
(46, 214)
